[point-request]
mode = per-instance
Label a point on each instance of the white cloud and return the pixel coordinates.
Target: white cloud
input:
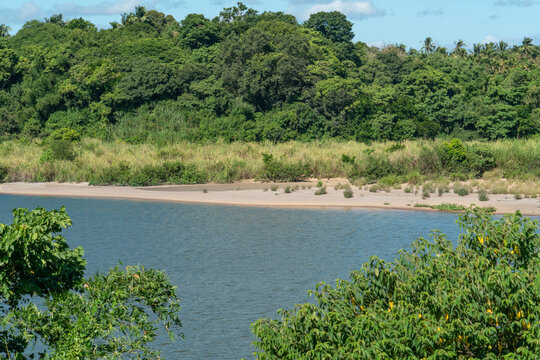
(430, 12)
(26, 11)
(520, 3)
(489, 39)
(353, 9)
(102, 8)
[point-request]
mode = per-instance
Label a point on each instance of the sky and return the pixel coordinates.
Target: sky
(376, 22)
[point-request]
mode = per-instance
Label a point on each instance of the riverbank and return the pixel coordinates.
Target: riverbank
(250, 193)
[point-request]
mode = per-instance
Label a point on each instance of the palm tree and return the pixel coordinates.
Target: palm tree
(526, 45)
(4, 30)
(429, 45)
(459, 48)
(502, 46)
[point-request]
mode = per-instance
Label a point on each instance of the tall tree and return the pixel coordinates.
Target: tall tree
(332, 25)
(4, 30)
(429, 45)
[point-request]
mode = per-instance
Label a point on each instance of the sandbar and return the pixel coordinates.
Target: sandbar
(252, 193)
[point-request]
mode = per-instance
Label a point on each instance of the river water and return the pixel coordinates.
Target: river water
(233, 265)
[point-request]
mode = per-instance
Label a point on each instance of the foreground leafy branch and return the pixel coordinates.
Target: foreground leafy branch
(111, 315)
(480, 299)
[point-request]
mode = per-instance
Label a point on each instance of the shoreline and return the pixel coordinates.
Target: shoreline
(254, 194)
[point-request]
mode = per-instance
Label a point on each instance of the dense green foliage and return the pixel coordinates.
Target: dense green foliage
(255, 76)
(108, 316)
(479, 300)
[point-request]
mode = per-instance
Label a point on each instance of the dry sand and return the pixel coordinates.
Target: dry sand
(259, 194)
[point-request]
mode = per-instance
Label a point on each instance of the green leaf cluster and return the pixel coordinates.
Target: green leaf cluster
(108, 316)
(478, 300)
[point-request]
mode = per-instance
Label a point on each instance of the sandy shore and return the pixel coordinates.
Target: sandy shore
(260, 194)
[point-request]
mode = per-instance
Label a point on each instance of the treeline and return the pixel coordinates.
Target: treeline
(253, 76)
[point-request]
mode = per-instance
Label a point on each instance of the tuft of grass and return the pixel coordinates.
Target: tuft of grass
(443, 207)
(319, 183)
(408, 189)
(274, 187)
(482, 195)
(348, 193)
(321, 191)
(205, 190)
(288, 190)
(462, 189)
(449, 207)
(425, 194)
(374, 188)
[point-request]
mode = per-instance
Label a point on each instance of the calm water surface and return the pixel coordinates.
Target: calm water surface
(233, 265)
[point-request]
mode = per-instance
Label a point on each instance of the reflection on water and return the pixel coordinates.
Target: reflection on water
(233, 265)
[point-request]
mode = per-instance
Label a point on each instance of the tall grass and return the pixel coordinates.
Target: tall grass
(224, 162)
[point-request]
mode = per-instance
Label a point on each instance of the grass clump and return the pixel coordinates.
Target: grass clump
(348, 193)
(462, 189)
(321, 191)
(482, 195)
(274, 187)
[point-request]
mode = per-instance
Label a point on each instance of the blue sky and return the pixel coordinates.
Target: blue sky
(376, 22)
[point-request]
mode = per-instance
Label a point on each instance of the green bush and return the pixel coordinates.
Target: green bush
(58, 150)
(321, 191)
(454, 156)
(3, 172)
(429, 160)
(480, 300)
(348, 193)
(64, 134)
(277, 170)
(374, 167)
(480, 159)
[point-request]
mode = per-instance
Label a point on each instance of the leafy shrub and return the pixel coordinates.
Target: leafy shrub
(113, 175)
(166, 173)
(449, 207)
(274, 187)
(58, 150)
(480, 159)
(3, 172)
(390, 180)
(429, 160)
(348, 159)
(395, 147)
(455, 151)
(321, 191)
(479, 299)
(287, 190)
(348, 193)
(277, 170)
(64, 134)
(373, 168)
(319, 183)
(462, 191)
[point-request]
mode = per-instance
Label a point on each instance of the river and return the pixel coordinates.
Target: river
(233, 265)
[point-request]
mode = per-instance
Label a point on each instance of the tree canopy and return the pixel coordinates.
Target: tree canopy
(477, 300)
(206, 69)
(110, 315)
